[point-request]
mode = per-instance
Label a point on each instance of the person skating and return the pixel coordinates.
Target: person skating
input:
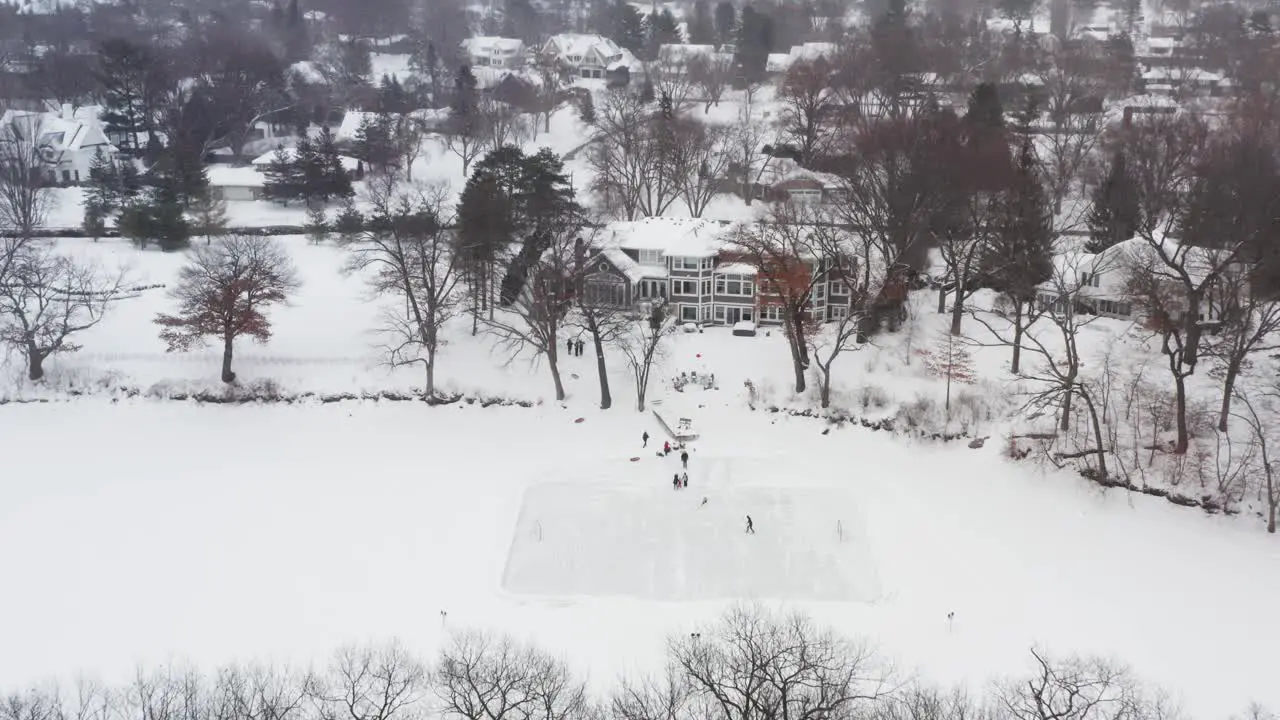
(666, 447)
(751, 527)
(580, 346)
(644, 439)
(568, 346)
(684, 459)
(684, 480)
(704, 501)
(675, 481)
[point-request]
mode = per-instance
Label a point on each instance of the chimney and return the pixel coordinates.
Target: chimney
(68, 111)
(1128, 117)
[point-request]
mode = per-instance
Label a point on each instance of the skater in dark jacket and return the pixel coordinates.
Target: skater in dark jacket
(675, 482)
(645, 439)
(684, 459)
(684, 480)
(751, 527)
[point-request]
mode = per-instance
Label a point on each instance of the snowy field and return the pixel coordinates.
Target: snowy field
(213, 533)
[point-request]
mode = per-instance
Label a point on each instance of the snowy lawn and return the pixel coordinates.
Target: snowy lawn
(137, 532)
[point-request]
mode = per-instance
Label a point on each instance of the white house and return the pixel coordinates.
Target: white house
(68, 139)
(590, 56)
(260, 163)
(236, 183)
(497, 52)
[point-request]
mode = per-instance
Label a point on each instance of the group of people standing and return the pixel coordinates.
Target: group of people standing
(574, 347)
(681, 479)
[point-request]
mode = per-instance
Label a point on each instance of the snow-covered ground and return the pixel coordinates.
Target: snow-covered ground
(139, 532)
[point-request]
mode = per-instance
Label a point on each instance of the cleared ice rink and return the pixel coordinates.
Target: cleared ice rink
(658, 543)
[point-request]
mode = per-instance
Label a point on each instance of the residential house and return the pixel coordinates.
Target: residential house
(354, 167)
(589, 56)
(689, 265)
(494, 52)
(236, 183)
(782, 179)
(1100, 282)
(68, 139)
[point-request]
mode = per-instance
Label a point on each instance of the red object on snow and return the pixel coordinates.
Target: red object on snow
(699, 356)
(580, 420)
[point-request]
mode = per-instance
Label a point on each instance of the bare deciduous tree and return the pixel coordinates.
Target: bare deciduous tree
(25, 198)
(700, 158)
(1250, 321)
(224, 292)
(1260, 415)
(46, 298)
(1078, 689)
(534, 320)
(409, 251)
(630, 157)
(485, 677)
(641, 343)
(753, 666)
(370, 683)
(808, 98)
(712, 74)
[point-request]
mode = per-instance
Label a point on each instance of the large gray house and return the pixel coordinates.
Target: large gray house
(684, 263)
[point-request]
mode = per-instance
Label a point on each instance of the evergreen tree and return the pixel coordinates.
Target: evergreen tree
(128, 74)
(374, 142)
(317, 224)
(297, 41)
(755, 42)
(283, 181)
(1114, 215)
(336, 182)
(209, 212)
(985, 109)
(726, 23)
(95, 219)
(587, 109)
(169, 226)
(348, 220)
(660, 28)
(103, 190)
(646, 91)
(628, 26)
(702, 29)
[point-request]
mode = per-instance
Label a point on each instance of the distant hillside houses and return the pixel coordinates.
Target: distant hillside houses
(68, 139)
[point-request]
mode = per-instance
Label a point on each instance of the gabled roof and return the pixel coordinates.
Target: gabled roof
(288, 153)
(681, 237)
(625, 265)
(58, 133)
(578, 44)
(229, 176)
(492, 45)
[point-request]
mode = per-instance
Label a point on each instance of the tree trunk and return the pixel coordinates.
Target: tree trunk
(606, 398)
(555, 374)
(1180, 410)
(35, 363)
(228, 345)
(431, 370)
(1064, 424)
(1097, 435)
(825, 389)
(1228, 386)
(957, 314)
(942, 300)
(1017, 337)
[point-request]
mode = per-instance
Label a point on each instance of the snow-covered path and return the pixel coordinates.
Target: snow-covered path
(141, 531)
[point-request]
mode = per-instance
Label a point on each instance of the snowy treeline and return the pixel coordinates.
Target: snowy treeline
(751, 664)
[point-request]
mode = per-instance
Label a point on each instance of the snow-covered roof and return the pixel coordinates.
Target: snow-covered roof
(57, 132)
(684, 51)
(634, 271)
(580, 44)
(681, 237)
(288, 153)
(493, 46)
(779, 170)
(307, 70)
(735, 269)
(813, 51)
(777, 62)
(232, 176)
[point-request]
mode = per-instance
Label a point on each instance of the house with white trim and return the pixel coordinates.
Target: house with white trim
(688, 265)
(68, 139)
(494, 52)
(589, 56)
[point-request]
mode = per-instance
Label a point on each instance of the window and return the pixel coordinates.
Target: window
(689, 313)
(719, 313)
(685, 263)
(747, 314)
(706, 313)
(821, 291)
(684, 287)
(733, 285)
(650, 257)
(839, 312)
(771, 313)
(66, 176)
(805, 195)
(708, 263)
(1089, 279)
(605, 291)
(839, 288)
(706, 287)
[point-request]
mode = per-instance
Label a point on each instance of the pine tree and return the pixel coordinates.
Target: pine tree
(317, 225)
(335, 183)
(169, 226)
(1114, 215)
(726, 22)
(660, 28)
(283, 181)
(647, 92)
(103, 189)
(297, 41)
(702, 30)
(587, 109)
(95, 219)
(210, 214)
(127, 73)
(349, 220)
(628, 28)
(985, 109)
